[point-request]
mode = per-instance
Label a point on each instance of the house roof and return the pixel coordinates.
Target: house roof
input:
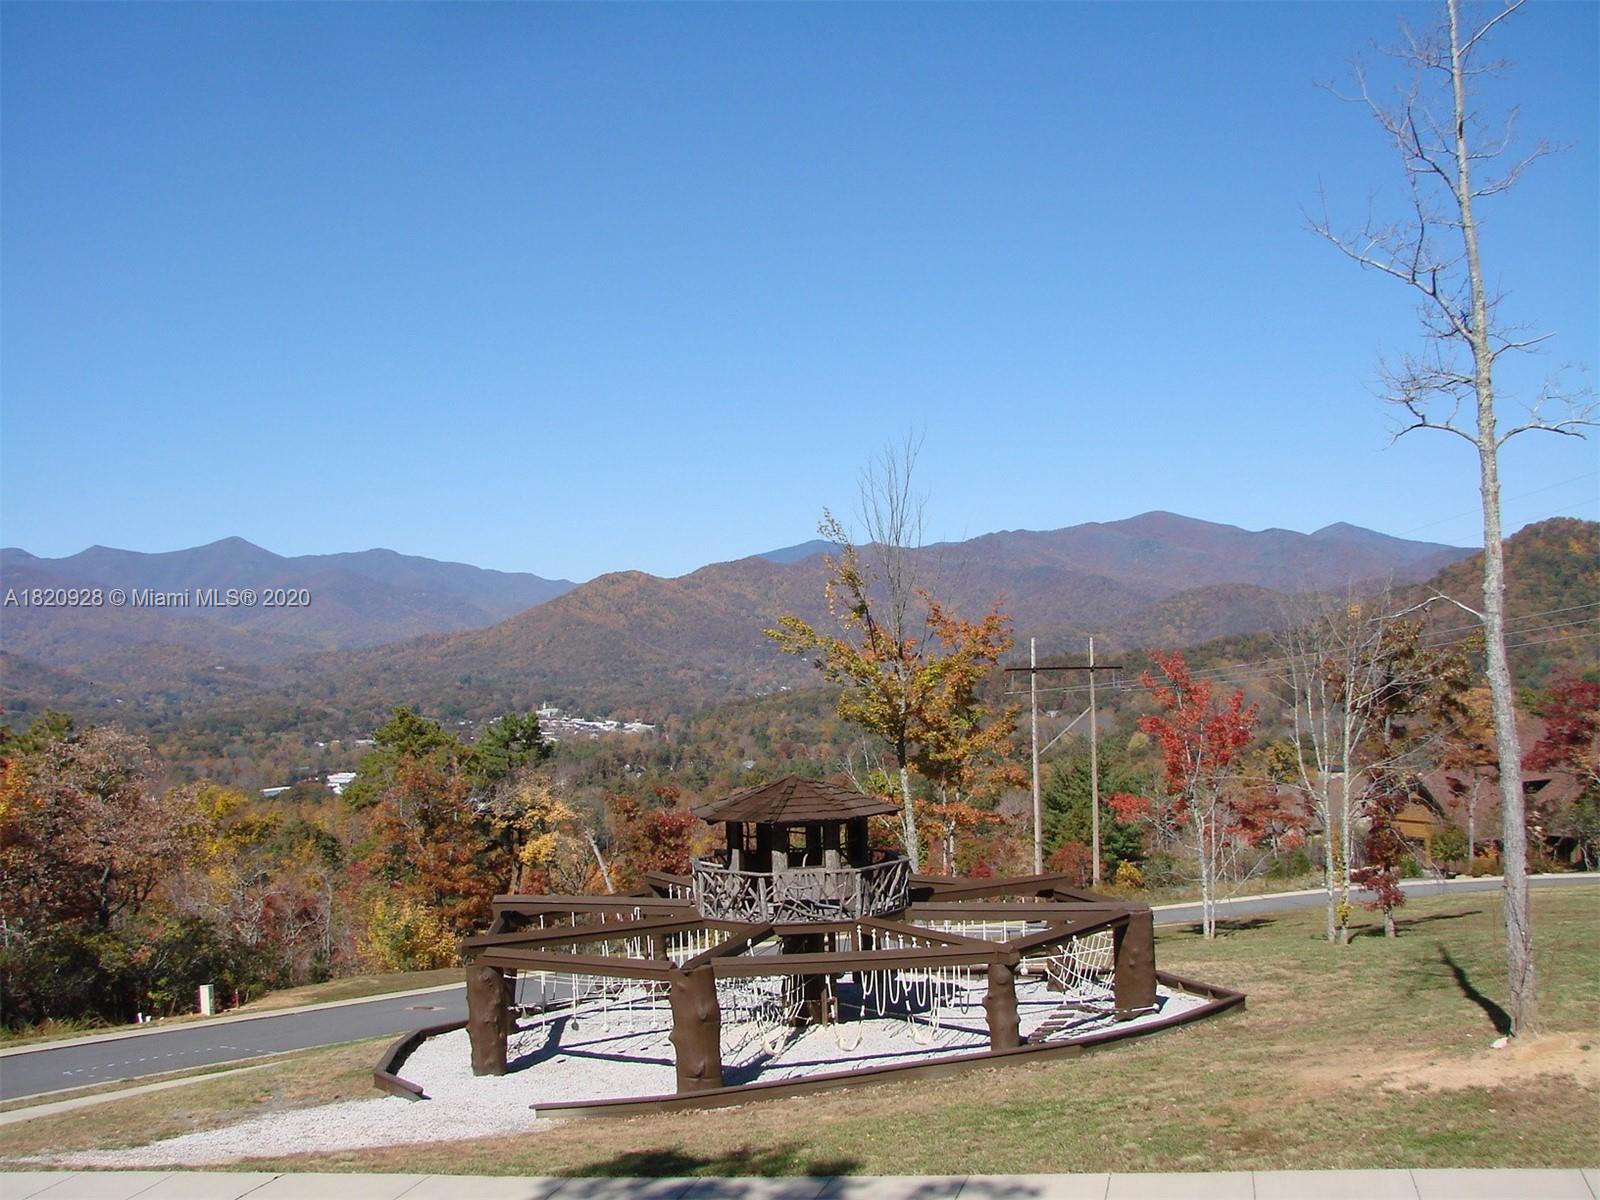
(795, 801)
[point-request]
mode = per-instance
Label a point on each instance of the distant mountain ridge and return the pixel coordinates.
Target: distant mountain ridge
(358, 599)
(390, 629)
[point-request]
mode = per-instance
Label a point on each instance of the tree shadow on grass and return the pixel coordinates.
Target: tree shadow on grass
(727, 1176)
(658, 1162)
(1231, 925)
(1496, 1014)
(1402, 924)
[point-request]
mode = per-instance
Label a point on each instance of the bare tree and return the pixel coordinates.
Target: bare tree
(891, 515)
(1450, 162)
(1354, 668)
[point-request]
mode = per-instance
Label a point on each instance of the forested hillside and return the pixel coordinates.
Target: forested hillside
(688, 654)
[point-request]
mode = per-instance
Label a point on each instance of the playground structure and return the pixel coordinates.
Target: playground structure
(796, 924)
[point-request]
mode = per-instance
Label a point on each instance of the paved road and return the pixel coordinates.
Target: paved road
(54, 1067)
(30, 1072)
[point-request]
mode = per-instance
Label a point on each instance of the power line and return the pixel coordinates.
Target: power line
(1512, 626)
(1268, 667)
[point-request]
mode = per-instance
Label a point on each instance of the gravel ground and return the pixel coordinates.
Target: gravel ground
(627, 1055)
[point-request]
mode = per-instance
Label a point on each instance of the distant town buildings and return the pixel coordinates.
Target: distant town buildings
(336, 782)
(554, 725)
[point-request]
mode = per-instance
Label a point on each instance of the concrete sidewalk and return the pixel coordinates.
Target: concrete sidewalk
(1225, 1185)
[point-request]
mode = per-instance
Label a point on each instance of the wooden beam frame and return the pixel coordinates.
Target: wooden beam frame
(513, 959)
(825, 963)
(572, 935)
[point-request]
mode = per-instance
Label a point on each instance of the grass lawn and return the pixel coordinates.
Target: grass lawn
(291, 1081)
(1372, 1055)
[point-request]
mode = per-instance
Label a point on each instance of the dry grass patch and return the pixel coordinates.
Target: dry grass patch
(294, 1081)
(352, 987)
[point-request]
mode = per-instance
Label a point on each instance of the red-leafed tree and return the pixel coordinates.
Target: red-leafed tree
(1199, 740)
(1385, 848)
(1571, 745)
(659, 836)
(1075, 861)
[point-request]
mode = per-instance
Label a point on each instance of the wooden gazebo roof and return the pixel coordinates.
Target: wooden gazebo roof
(794, 801)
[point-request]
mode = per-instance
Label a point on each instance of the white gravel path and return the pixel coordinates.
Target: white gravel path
(553, 1062)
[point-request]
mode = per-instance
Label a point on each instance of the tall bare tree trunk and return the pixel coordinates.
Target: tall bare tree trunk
(908, 819)
(1513, 831)
(1472, 824)
(1433, 128)
(1330, 872)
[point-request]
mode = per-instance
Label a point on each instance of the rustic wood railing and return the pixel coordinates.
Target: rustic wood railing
(801, 893)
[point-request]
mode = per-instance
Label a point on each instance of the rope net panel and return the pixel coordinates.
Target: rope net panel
(759, 1016)
(1081, 973)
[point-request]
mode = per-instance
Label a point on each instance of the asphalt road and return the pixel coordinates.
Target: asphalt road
(33, 1071)
(29, 1072)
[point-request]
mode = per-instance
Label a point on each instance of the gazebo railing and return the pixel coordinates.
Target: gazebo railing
(801, 893)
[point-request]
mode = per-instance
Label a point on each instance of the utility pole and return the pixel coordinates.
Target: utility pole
(1033, 713)
(1094, 768)
(1033, 668)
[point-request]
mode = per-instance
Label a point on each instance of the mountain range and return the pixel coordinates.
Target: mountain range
(384, 629)
(364, 598)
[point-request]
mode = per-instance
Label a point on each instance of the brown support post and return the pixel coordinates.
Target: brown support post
(1134, 965)
(1000, 1006)
(696, 1029)
(860, 851)
(488, 1018)
(814, 1005)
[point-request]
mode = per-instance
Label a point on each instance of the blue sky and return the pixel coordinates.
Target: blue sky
(571, 289)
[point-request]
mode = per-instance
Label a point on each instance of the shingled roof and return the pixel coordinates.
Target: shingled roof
(794, 801)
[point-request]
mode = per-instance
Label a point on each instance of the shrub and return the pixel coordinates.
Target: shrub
(1128, 877)
(1297, 863)
(400, 934)
(1161, 870)
(1450, 846)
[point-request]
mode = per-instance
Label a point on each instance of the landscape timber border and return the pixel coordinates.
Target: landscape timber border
(1049, 911)
(1219, 1000)
(1060, 913)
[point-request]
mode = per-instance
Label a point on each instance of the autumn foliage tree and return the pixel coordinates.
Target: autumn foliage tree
(1199, 739)
(912, 684)
(428, 864)
(86, 835)
(94, 920)
(1384, 847)
(658, 834)
(1570, 745)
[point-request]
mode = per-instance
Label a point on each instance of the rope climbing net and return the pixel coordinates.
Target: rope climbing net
(1080, 972)
(759, 1016)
